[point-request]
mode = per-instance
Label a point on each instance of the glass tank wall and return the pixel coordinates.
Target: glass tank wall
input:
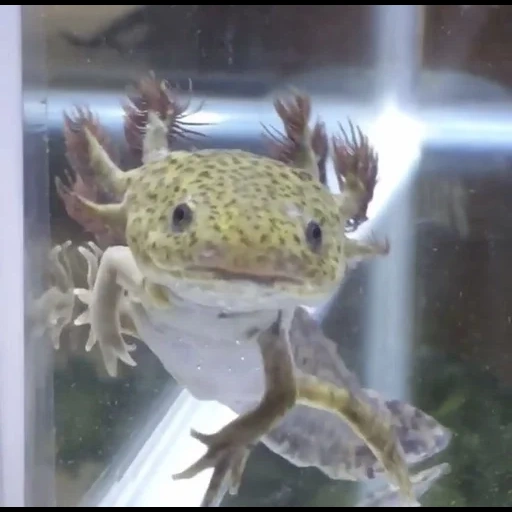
(429, 324)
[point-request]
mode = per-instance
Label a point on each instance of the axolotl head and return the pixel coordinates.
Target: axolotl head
(236, 230)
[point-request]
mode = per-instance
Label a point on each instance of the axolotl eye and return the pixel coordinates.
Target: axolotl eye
(314, 235)
(181, 217)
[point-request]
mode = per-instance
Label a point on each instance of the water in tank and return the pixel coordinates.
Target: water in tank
(407, 108)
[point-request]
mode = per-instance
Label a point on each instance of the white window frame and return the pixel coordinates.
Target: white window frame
(12, 339)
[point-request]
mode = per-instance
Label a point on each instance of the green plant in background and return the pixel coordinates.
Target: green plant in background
(94, 417)
(470, 402)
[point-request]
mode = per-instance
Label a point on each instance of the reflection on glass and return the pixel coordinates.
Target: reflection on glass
(427, 324)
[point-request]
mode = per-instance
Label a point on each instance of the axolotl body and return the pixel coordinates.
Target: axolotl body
(223, 247)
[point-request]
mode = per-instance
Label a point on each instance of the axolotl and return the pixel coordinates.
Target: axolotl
(223, 247)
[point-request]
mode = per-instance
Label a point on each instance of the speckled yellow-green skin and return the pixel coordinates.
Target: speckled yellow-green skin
(250, 216)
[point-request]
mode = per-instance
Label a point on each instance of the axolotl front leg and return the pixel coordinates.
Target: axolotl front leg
(117, 273)
(229, 448)
(92, 255)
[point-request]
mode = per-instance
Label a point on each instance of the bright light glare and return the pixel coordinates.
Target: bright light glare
(397, 138)
(169, 450)
(207, 117)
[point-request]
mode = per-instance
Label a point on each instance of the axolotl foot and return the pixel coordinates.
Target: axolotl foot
(110, 277)
(92, 255)
(51, 312)
(228, 461)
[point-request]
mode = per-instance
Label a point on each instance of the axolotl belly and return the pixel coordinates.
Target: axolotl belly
(206, 350)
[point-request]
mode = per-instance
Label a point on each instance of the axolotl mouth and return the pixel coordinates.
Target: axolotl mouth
(265, 279)
(215, 286)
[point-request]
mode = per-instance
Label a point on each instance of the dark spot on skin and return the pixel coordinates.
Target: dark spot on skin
(226, 314)
(294, 445)
(414, 423)
(363, 451)
(253, 331)
(411, 446)
(305, 176)
(441, 441)
(275, 328)
(418, 414)
(394, 406)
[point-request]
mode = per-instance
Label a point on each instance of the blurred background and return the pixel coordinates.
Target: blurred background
(431, 323)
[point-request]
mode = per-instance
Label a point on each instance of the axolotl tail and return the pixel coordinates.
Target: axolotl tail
(311, 437)
(388, 496)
